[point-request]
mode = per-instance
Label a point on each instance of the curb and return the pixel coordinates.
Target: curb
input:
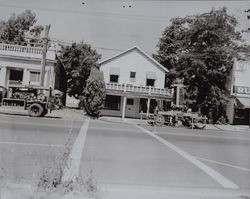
(109, 191)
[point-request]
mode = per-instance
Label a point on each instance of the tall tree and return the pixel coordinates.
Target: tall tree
(199, 50)
(78, 60)
(20, 28)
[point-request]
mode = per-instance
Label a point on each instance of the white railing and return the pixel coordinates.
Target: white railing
(20, 49)
(139, 89)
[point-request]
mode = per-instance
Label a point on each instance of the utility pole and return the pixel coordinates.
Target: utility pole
(178, 87)
(44, 53)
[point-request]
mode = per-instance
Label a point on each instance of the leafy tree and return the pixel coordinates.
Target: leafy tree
(199, 50)
(94, 93)
(20, 28)
(78, 60)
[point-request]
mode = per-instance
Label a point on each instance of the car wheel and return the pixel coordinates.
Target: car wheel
(159, 120)
(35, 110)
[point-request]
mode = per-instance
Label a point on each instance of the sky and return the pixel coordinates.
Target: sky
(112, 26)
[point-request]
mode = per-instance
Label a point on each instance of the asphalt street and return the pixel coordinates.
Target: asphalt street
(125, 154)
(28, 144)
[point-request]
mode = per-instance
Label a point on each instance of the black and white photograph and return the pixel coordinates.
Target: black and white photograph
(124, 99)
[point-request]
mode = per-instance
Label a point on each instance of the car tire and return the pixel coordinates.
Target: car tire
(159, 120)
(35, 110)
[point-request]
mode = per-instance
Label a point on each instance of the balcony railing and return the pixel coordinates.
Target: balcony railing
(20, 49)
(139, 89)
(25, 51)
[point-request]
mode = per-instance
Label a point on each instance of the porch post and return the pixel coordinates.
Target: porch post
(124, 106)
(3, 74)
(148, 105)
(26, 76)
(177, 96)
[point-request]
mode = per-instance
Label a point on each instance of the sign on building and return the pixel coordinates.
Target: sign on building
(241, 90)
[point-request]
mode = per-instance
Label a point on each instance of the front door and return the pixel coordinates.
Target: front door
(131, 108)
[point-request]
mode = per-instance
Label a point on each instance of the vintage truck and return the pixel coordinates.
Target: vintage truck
(36, 100)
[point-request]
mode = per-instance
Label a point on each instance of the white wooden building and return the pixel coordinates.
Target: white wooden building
(135, 84)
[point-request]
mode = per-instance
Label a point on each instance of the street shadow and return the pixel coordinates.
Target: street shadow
(53, 117)
(26, 115)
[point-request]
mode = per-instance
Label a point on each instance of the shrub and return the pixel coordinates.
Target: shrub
(93, 96)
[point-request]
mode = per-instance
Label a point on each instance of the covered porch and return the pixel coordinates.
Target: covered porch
(132, 101)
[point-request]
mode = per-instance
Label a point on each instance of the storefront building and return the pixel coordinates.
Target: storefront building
(238, 111)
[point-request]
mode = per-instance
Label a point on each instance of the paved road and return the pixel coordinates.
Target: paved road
(123, 154)
(27, 144)
(226, 152)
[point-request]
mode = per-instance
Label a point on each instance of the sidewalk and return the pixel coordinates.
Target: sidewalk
(234, 128)
(120, 120)
(66, 113)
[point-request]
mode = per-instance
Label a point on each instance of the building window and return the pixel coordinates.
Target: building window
(150, 82)
(114, 78)
(130, 102)
(113, 102)
(132, 76)
(34, 76)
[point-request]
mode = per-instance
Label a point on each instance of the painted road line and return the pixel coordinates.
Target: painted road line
(31, 144)
(71, 172)
(224, 164)
(205, 136)
(226, 183)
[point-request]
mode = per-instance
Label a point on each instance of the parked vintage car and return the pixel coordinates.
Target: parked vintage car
(178, 118)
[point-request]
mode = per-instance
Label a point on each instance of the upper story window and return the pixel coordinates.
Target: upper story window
(132, 76)
(150, 78)
(114, 75)
(34, 76)
(114, 78)
(150, 82)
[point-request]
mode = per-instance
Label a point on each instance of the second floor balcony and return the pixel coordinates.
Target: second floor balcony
(24, 51)
(113, 88)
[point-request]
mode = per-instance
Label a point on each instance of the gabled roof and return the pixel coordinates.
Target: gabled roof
(135, 48)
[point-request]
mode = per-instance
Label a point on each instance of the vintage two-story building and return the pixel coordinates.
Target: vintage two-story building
(135, 84)
(21, 65)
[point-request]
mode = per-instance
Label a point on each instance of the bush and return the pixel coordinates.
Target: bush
(93, 96)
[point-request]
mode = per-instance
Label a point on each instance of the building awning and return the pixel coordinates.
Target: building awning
(151, 75)
(114, 71)
(242, 102)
